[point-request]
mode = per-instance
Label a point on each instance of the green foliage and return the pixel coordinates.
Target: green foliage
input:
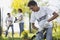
(22, 4)
(25, 34)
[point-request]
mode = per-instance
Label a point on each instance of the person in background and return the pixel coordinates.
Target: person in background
(9, 23)
(20, 20)
(42, 15)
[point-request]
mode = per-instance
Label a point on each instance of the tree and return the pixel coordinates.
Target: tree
(0, 24)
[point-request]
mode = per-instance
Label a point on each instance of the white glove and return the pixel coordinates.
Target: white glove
(43, 24)
(46, 24)
(40, 29)
(7, 25)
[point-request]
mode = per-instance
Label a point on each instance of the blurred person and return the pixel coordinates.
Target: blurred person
(19, 19)
(9, 23)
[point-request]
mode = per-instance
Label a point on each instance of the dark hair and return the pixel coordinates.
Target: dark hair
(8, 13)
(32, 3)
(20, 10)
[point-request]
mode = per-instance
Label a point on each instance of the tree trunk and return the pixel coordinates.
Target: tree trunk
(30, 23)
(0, 23)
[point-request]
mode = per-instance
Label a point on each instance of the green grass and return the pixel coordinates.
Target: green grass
(10, 38)
(56, 35)
(18, 38)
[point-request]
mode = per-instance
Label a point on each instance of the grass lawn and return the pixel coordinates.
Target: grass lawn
(56, 35)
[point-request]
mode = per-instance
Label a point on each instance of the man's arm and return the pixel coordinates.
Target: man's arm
(55, 15)
(33, 26)
(21, 18)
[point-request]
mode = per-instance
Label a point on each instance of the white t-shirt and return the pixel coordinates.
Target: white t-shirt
(42, 16)
(19, 16)
(9, 20)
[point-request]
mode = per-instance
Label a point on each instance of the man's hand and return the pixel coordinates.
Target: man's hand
(33, 26)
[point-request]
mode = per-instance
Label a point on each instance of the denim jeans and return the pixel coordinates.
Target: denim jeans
(21, 26)
(8, 29)
(48, 34)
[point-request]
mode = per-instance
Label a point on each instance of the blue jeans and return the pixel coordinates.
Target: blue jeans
(21, 26)
(40, 35)
(8, 29)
